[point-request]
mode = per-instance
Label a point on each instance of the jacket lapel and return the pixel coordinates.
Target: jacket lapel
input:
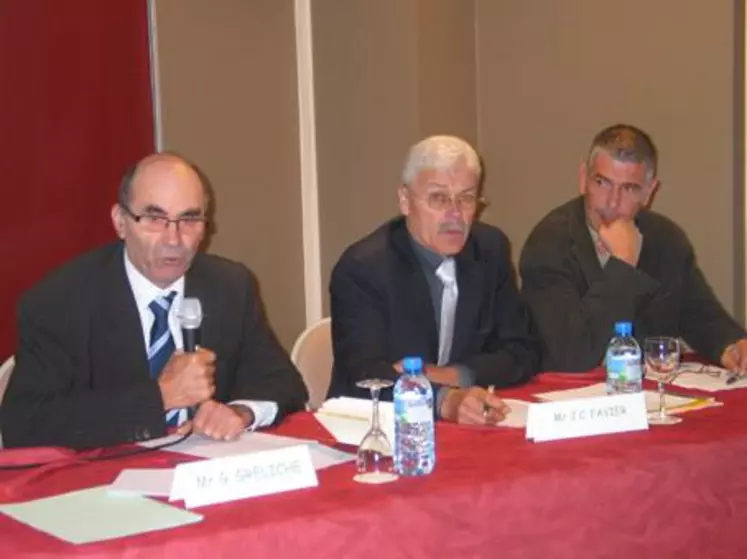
(583, 246)
(471, 283)
(120, 352)
(413, 294)
(197, 285)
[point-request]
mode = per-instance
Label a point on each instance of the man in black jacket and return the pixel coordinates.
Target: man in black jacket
(604, 257)
(436, 285)
(99, 360)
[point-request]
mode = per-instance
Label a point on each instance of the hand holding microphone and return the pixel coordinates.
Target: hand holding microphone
(188, 378)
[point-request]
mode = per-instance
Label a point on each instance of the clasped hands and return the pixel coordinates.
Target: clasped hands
(468, 406)
(188, 380)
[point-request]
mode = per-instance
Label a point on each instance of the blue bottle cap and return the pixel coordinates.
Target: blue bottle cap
(623, 328)
(412, 364)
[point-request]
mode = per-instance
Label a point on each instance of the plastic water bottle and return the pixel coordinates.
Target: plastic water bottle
(414, 440)
(623, 361)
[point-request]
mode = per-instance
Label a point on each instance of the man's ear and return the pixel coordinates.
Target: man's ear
(118, 220)
(403, 199)
(582, 173)
(652, 190)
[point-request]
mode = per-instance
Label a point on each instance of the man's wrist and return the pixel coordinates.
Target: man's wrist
(448, 404)
(448, 376)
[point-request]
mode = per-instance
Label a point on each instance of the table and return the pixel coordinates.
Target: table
(674, 491)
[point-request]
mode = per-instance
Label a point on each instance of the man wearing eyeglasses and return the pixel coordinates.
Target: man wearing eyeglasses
(434, 283)
(99, 360)
(605, 257)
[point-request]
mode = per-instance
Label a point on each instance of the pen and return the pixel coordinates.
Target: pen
(485, 406)
(733, 377)
(694, 405)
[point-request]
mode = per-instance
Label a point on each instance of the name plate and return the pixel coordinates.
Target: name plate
(248, 475)
(584, 417)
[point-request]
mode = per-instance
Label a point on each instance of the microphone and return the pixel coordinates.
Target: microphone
(190, 319)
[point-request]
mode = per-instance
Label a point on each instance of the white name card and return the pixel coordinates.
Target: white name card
(584, 417)
(248, 475)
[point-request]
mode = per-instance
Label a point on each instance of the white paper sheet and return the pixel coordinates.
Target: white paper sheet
(694, 376)
(158, 482)
(93, 515)
(152, 482)
(200, 445)
(595, 390)
(349, 419)
(517, 417)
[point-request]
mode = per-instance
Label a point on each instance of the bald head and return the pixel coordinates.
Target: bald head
(156, 165)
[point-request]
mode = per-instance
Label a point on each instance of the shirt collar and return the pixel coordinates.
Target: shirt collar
(429, 258)
(146, 291)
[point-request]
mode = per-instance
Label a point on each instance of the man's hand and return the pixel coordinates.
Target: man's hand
(473, 406)
(187, 379)
(622, 240)
(219, 421)
(734, 357)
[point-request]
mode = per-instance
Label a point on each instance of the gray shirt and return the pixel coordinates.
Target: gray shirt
(429, 262)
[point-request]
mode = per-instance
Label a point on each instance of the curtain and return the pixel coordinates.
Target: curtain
(75, 111)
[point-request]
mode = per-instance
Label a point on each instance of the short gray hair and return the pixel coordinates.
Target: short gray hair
(627, 144)
(440, 153)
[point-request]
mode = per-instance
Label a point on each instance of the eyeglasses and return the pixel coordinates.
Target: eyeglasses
(441, 201)
(157, 223)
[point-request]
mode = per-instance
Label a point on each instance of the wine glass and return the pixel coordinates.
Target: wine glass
(662, 357)
(374, 461)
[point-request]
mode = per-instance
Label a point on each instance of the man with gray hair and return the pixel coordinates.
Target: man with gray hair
(605, 257)
(435, 284)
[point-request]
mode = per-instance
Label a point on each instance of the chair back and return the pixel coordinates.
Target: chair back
(5, 370)
(312, 356)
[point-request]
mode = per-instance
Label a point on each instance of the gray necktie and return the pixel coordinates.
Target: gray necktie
(446, 272)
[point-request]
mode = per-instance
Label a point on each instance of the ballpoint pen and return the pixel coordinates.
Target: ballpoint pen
(733, 376)
(485, 406)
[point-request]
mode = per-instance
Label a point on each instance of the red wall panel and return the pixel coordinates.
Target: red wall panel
(75, 111)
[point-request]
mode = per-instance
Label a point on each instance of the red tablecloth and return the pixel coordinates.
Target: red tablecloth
(675, 491)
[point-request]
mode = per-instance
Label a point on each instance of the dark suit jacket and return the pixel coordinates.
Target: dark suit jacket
(575, 302)
(382, 311)
(81, 377)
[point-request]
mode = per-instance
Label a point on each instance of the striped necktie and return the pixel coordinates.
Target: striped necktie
(160, 349)
(161, 341)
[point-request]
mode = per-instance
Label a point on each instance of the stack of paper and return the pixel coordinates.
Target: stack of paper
(674, 403)
(349, 419)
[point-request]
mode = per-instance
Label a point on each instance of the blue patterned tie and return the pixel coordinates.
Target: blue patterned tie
(161, 347)
(161, 341)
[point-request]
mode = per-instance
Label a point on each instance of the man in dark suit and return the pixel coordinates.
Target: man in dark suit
(604, 257)
(436, 285)
(99, 360)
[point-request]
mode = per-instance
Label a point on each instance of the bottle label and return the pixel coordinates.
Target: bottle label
(413, 410)
(624, 368)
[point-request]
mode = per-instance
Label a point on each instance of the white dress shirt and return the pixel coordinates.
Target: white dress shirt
(145, 291)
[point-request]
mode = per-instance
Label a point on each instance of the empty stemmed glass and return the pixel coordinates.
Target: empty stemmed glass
(662, 357)
(374, 461)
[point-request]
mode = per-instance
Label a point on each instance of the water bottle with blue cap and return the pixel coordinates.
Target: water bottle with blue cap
(414, 431)
(623, 361)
